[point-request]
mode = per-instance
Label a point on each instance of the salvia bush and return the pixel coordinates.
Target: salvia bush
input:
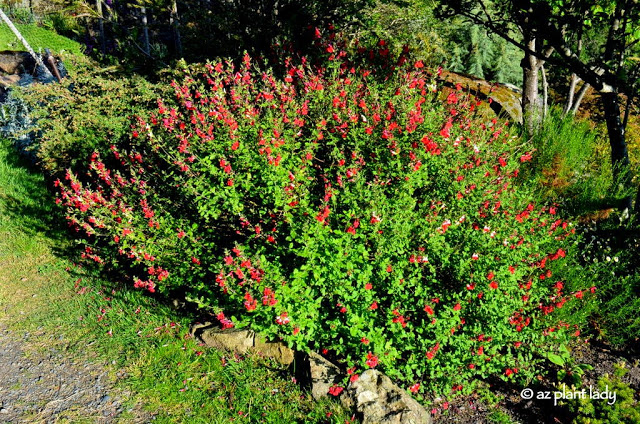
(372, 218)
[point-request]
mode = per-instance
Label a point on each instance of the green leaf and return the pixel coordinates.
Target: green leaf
(556, 359)
(562, 374)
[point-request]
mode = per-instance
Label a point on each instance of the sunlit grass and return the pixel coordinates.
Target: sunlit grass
(38, 38)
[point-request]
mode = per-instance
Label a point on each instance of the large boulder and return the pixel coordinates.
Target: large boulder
(505, 98)
(379, 401)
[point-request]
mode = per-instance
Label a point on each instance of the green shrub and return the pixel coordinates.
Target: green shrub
(63, 23)
(624, 408)
(372, 221)
(608, 258)
(89, 110)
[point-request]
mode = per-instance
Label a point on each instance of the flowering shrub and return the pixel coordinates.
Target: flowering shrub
(375, 221)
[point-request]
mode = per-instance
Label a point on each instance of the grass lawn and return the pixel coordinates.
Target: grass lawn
(38, 38)
(127, 331)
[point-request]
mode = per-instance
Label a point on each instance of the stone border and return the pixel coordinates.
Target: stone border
(373, 396)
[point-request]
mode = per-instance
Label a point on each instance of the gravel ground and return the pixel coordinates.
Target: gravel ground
(50, 387)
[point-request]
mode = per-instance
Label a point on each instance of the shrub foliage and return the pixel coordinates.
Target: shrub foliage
(361, 213)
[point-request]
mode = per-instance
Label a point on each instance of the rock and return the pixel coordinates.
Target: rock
(242, 341)
(278, 351)
(12, 62)
(324, 374)
(505, 97)
(239, 341)
(7, 81)
(379, 401)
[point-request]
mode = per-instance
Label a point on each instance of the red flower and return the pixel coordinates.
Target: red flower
(493, 285)
(335, 390)
(444, 132)
(372, 360)
(526, 157)
(250, 303)
(282, 319)
(414, 388)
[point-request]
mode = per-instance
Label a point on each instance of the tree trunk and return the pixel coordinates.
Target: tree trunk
(619, 152)
(614, 52)
(571, 94)
(530, 102)
(579, 97)
(545, 93)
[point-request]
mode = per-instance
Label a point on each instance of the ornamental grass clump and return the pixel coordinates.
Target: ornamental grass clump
(369, 216)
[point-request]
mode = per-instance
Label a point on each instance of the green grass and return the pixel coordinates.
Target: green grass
(38, 38)
(571, 165)
(144, 343)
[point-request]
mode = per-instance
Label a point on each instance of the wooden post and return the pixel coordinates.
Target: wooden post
(103, 41)
(145, 31)
(175, 24)
(26, 45)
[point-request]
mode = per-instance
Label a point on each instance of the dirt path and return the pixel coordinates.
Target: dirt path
(49, 387)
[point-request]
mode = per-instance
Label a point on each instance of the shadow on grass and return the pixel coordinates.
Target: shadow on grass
(28, 203)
